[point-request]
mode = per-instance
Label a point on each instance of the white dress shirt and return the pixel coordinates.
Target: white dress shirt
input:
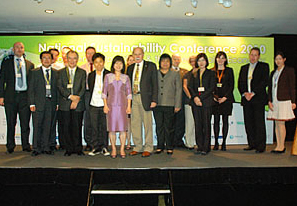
(97, 100)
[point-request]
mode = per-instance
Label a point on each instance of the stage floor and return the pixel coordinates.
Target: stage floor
(181, 159)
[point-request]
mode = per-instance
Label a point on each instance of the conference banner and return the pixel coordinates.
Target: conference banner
(236, 48)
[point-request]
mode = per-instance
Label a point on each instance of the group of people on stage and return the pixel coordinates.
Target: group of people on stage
(125, 98)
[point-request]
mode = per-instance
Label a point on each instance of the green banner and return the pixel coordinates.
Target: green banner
(236, 48)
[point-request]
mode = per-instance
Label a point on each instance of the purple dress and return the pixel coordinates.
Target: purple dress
(117, 94)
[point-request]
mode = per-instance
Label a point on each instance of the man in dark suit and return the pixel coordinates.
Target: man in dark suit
(144, 83)
(43, 97)
(252, 83)
(13, 95)
(99, 138)
(72, 87)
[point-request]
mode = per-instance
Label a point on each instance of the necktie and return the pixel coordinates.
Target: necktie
(136, 80)
(19, 71)
(71, 75)
(91, 67)
(48, 91)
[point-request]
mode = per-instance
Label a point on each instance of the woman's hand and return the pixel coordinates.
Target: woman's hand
(105, 109)
(222, 100)
(128, 110)
(271, 106)
(197, 101)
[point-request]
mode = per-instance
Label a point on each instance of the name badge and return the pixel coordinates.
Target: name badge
(18, 75)
(48, 86)
(201, 89)
(69, 86)
(219, 84)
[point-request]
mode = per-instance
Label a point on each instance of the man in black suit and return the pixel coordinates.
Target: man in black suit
(252, 83)
(13, 95)
(144, 83)
(72, 87)
(43, 97)
(99, 138)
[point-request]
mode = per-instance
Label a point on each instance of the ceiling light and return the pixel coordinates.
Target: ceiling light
(221, 1)
(49, 11)
(194, 3)
(227, 3)
(139, 2)
(106, 2)
(38, 1)
(189, 13)
(79, 1)
(168, 3)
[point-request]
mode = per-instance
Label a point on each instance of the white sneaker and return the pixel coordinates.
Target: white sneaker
(105, 152)
(94, 152)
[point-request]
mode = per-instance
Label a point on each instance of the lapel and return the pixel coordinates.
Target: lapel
(42, 75)
(144, 70)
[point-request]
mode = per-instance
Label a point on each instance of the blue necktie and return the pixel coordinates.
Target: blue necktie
(19, 71)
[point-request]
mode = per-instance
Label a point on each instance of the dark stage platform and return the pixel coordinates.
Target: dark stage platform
(234, 177)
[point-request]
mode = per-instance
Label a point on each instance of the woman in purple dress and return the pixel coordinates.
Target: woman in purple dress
(117, 103)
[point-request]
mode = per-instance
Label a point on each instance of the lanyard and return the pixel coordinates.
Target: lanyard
(49, 77)
(68, 75)
(220, 76)
(200, 76)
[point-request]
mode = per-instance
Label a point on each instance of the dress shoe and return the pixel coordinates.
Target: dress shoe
(80, 153)
(158, 151)
(123, 156)
(279, 151)
(170, 152)
(9, 151)
(260, 151)
(113, 156)
(27, 150)
(67, 153)
(216, 147)
(204, 153)
(49, 152)
(133, 153)
(223, 147)
(248, 148)
(35, 153)
(197, 152)
(146, 154)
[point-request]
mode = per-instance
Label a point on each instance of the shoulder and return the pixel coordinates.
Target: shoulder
(36, 69)
(149, 64)
(263, 64)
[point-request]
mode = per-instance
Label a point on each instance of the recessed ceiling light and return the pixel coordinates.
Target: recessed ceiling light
(49, 11)
(189, 13)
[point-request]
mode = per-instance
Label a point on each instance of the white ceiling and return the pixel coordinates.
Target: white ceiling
(244, 18)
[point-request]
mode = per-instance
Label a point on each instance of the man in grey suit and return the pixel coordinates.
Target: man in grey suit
(43, 99)
(72, 87)
(13, 95)
(144, 81)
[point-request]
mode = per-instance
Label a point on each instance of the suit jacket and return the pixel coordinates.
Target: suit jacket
(227, 88)
(169, 89)
(148, 83)
(91, 81)
(285, 85)
(259, 83)
(37, 90)
(209, 84)
(79, 88)
(7, 78)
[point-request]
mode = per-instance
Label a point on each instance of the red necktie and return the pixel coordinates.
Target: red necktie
(91, 66)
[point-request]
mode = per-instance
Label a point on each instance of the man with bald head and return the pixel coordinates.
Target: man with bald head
(179, 117)
(13, 95)
(144, 83)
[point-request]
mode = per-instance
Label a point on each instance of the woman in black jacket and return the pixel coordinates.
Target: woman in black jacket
(223, 97)
(201, 88)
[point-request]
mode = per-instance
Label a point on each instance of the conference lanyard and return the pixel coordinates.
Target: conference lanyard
(47, 79)
(219, 76)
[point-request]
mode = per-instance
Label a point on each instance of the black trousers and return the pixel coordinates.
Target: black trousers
(164, 116)
(42, 125)
(254, 121)
(202, 119)
(216, 126)
(72, 130)
(99, 129)
(87, 120)
(19, 106)
(179, 126)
